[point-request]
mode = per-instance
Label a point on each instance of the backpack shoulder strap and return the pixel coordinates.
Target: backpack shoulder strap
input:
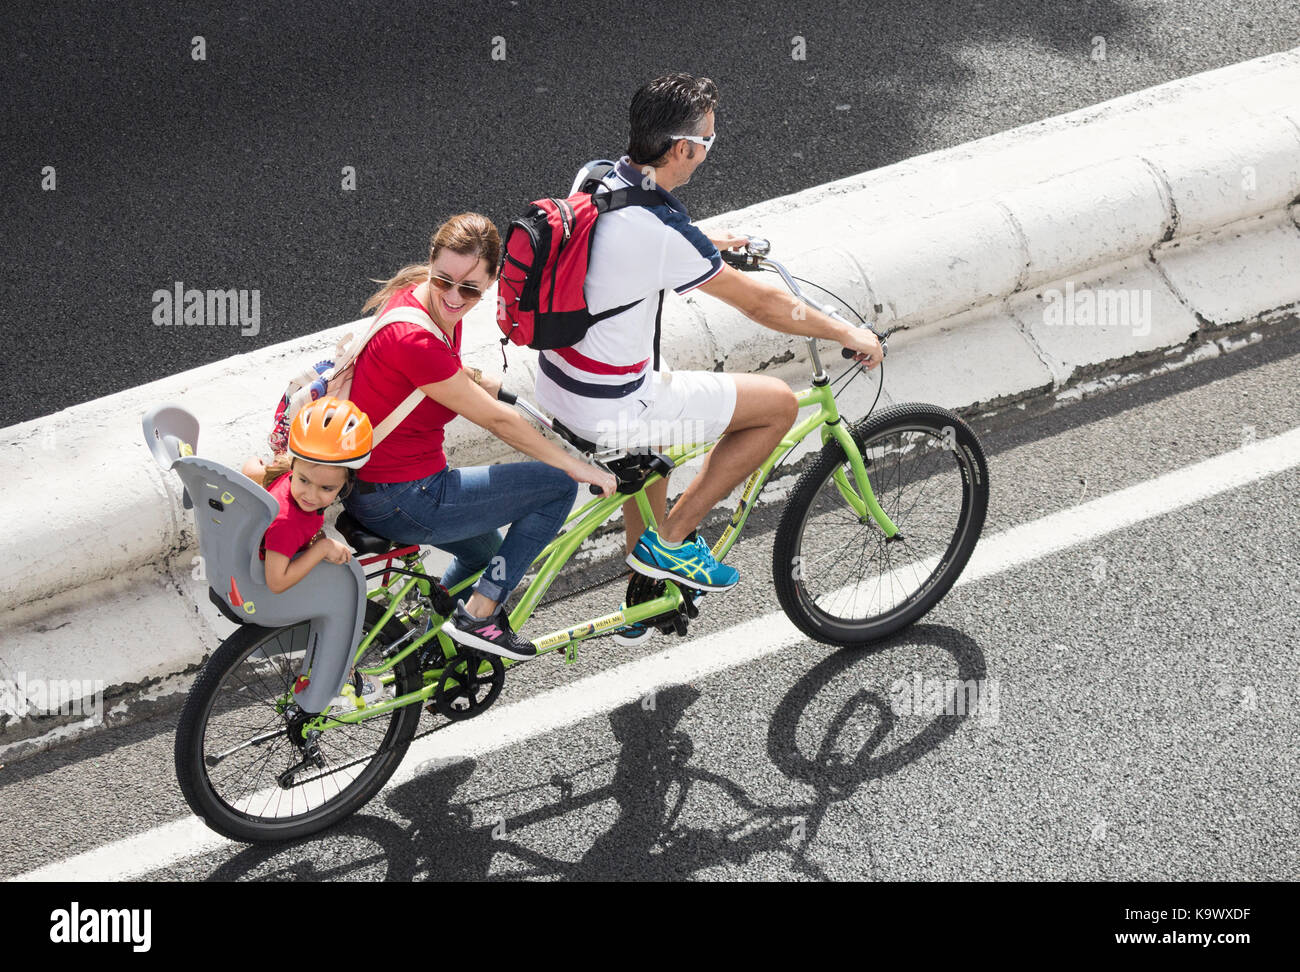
(659, 313)
(351, 350)
(411, 315)
(396, 417)
(619, 198)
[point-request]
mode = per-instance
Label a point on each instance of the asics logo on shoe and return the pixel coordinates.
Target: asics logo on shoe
(694, 565)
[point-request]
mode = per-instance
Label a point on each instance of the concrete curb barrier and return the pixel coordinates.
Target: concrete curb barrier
(987, 257)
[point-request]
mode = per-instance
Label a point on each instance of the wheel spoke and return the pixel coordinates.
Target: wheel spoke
(251, 700)
(853, 578)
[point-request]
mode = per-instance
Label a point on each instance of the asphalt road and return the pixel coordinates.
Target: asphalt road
(1146, 725)
(227, 172)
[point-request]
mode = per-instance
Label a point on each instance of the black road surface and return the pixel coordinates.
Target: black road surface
(131, 164)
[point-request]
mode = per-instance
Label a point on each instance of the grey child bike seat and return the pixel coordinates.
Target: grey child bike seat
(231, 513)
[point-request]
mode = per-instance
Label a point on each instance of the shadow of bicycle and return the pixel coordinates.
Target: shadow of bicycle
(828, 736)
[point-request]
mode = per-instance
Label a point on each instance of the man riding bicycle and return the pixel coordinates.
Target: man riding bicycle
(610, 388)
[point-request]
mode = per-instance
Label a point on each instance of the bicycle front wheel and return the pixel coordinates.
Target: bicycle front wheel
(240, 763)
(837, 576)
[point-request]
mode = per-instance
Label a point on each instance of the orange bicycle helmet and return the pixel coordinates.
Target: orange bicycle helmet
(331, 432)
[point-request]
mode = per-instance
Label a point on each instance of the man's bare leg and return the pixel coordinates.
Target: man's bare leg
(765, 410)
(633, 525)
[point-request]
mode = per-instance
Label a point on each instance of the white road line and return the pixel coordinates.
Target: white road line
(597, 694)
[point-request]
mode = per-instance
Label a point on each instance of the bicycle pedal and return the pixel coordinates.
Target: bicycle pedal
(676, 625)
(443, 603)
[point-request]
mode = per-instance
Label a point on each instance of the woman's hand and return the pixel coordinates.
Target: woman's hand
(584, 472)
(490, 383)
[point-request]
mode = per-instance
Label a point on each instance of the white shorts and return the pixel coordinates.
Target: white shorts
(681, 408)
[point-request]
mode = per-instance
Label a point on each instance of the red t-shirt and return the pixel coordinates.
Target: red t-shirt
(293, 528)
(395, 362)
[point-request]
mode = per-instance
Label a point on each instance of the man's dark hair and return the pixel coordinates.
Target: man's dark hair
(671, 105)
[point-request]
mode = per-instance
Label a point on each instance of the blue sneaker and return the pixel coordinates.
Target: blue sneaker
(688, 563)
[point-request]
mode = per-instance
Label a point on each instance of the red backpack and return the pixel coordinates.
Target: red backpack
(540, 302)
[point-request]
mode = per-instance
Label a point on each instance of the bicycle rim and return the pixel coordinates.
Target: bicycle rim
(850, 579)
(246, 746)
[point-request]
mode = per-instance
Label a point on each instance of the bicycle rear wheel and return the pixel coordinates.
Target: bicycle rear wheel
(234, 750)
(837, 576)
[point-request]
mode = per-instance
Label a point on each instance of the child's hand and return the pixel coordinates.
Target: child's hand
(254, 468)
(335, 552)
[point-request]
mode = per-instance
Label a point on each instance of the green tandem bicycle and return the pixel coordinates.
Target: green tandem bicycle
(876, 530)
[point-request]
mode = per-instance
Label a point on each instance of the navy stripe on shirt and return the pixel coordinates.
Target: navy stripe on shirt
(705, 277)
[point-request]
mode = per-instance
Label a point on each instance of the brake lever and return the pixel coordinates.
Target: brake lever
(848, 352)
(750, 258)
(748, 262)
(884, 347)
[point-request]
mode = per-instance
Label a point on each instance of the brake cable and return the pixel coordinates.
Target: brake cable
(854, 368)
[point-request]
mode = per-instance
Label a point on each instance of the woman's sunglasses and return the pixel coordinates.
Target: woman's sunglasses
(467, 291)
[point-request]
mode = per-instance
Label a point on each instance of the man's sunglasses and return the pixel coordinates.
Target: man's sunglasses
(467, 291)
(705, 140)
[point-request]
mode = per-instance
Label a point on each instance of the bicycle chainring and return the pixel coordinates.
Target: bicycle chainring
(641, 589)
(461, 695)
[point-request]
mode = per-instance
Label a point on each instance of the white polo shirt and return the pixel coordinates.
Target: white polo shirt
(636, 252)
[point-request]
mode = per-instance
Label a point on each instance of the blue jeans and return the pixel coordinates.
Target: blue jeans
(459, 510)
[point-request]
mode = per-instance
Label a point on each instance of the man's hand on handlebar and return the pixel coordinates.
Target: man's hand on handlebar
(728, 241)
(863, 346)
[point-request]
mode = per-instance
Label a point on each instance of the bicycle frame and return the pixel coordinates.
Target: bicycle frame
(584, 521)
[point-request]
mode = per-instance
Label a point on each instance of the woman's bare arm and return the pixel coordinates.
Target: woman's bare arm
(461, 395)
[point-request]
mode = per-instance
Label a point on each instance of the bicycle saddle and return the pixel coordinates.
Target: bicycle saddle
(359, 538)
(231, 513)
(631, 467)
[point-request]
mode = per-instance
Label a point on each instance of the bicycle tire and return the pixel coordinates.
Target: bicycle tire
(816, 498)
(192, 769)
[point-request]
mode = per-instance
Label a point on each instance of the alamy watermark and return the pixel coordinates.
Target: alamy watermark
(219, 308)
(1104, 307)
(921, 696)
(76, 925)
(635, 435)
(25, 696)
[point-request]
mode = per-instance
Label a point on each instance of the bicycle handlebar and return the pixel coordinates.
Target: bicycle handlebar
(754, 256)
(510, 398)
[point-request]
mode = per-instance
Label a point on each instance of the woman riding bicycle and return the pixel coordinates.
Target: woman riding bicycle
(407, 492)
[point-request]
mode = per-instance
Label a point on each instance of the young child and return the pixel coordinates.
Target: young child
(328, 441)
